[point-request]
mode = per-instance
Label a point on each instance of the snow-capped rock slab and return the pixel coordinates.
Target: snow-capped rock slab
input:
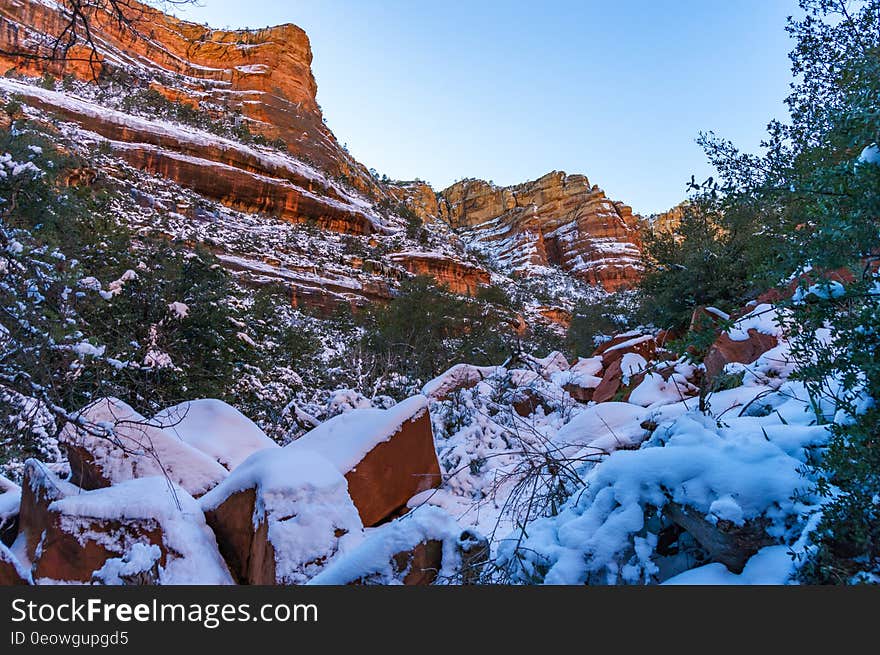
(12, 571)
(215, 428)
(130, 446)
(40, 488)
(87, 530)
(630, 342)
(386, 455)
(281, 515)
(10, 500)
(460, 376)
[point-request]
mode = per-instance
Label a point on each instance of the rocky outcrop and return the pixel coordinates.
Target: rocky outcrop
(557, 219)
(113, 443)
(86, 531)
(387, 456)
(265, 74)
(281, 516)
(458, 276)
(419, 196)
(238, 175)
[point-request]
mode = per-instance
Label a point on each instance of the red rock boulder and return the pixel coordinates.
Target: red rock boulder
(121, 445)
(87, 530)
(12, 571)
(387, 456)
(40, 488)
(726, 350)
(631, 342)
(281, 516)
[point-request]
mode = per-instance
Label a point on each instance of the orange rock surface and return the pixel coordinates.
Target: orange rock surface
(460, 277)
(557, 219)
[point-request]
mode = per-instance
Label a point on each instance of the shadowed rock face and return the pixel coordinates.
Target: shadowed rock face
(557, 219)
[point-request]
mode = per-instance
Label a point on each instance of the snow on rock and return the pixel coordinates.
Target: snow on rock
(763, 318)
(10, 500)
(654, 390)
(603, 427)
(769, 566)
(281, 515)
(112, 443)
(40, 488)
(750, 337)
(386, 455)
(460, 376)
(591, 366)
(12, 571)
(555, 362)
(631, 364)
(216, 429)
(107, 523)
(417, 548)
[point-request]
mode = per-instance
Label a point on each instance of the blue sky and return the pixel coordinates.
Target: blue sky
(507, 91)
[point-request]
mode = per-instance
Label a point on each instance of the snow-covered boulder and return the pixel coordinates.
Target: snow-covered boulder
(40, 488)
(129, 446)
(386, 455)
(10, 500)
(281, 515)
(581, 379)
(12, 571)
(605, 427)
(657, 389)
(87, 530)
(215, 428)
(460, 376)
(749, 338)
(412, 550)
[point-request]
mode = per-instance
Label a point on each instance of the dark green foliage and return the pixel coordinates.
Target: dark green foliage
(820, 202)
(91, 310)
(715, 256)
(425, 329)
(594, 320)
